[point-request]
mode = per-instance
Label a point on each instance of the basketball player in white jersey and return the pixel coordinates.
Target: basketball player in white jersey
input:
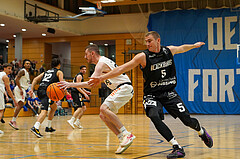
(22, 84)
(4, 83)
(121, 94)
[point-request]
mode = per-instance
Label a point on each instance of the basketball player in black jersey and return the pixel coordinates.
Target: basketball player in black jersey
(157, 65)
(46, 78)
(77, 95)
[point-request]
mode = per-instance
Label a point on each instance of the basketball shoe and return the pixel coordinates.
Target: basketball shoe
(71, 123)
(127, 139)
(78, 125)
(121, 149)
(1, 132)
(36, 132)
(13, 124)
(49, 129)
(176, 153)
(206, 138)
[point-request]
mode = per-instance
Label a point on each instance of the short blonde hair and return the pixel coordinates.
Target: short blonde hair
(154, 34)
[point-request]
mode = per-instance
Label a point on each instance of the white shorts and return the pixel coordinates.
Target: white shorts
(18, 97)
(2, 103)
(119, 97)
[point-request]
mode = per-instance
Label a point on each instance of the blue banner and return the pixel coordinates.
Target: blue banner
(208, 77)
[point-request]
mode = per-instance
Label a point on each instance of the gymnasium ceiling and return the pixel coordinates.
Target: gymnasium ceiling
(119, 7)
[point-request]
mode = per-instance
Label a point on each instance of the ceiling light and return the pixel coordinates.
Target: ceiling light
(7, 47)
(91, 43)
(106, 44)
(14, 36)
(2, 25)
(7, 41)
(108, 1)
(44, 34)
(24, 29)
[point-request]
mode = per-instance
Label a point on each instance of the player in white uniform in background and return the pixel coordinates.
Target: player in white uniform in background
(121, 94)
(22, 84)
(4, 83)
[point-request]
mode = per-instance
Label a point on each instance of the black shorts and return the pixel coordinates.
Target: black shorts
(171, 101)
(77, 99)
(44, 99)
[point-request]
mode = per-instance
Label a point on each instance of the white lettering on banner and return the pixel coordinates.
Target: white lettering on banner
(225, 81)
(218, 22)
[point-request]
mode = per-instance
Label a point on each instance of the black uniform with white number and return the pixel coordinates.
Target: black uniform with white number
(76, 95)
(159, 89)
(49, 77)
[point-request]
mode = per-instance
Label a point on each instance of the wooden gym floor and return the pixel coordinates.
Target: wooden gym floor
(97, 142)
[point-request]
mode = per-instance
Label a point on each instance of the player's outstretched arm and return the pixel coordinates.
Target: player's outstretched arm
(137, 60)
(185, 47)
(64, 85)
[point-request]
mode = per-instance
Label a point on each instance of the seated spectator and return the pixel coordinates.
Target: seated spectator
(69, 99)
(12, 85)
(31, 103)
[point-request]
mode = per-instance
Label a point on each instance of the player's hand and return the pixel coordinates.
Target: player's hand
(86, 97)
(7, 99)
(94, 81)
(64, 85)
(15, 103)
(88, 93)
(198, 44)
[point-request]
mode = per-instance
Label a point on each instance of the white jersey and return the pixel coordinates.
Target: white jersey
(113, 82)
(25, 80)
(2, 85)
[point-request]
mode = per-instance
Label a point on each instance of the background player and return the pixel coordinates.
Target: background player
(77, 95)
(50, 76)
(22, 85)
(4, 83)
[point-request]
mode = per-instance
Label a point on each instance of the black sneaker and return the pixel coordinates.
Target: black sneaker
(176, 153)
(50, 129)
(206, 138)
(36, 132)
(2, 121)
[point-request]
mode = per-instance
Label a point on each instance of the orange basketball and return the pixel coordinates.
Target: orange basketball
(54, 92)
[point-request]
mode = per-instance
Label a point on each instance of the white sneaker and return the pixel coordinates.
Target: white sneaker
(127, 139)
(71, 124)
(1, 132)
(78, 125)
(121, 149)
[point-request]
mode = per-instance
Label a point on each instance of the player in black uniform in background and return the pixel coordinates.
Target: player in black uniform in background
(46, 78)
(159, 73)
(77, 95)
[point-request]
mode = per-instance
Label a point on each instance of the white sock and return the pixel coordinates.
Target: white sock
(77, 121)
(174, 142)
(72, 119)
(49, 123)
(123, 130)
(14, 119)
(37, 125)
(201, 132)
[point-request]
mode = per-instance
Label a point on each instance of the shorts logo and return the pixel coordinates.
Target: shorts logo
(149, 103)
(115, 91)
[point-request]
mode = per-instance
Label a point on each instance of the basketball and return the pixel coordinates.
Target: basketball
(54, 92)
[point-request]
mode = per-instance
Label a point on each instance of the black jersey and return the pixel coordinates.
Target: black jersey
(49, 77)
(75, 80)
(160, 72)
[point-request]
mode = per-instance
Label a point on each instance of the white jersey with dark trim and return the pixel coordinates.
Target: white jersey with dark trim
(113, 82)
(2, 85)
(25, 80)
